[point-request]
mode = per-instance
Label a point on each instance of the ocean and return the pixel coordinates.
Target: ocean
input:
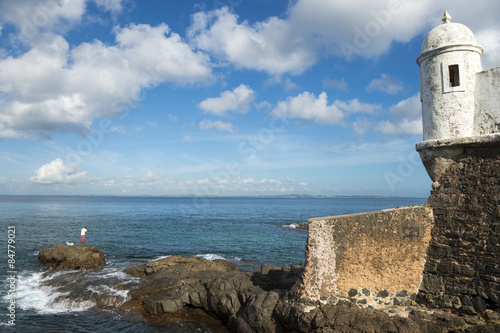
(248, 232)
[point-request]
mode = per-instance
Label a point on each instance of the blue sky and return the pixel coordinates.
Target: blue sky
(223, 97)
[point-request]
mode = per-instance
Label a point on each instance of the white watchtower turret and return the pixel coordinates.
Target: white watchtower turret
(449, 60)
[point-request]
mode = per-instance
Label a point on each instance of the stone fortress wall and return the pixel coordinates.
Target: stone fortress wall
(445, 254)
(374, 258)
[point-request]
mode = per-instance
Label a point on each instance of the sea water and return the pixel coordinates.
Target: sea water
(248, 232)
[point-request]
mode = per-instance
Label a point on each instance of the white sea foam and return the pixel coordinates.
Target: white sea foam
(113, 273)
(210, 256)
(160, 257)
(114, 296)
(34, 295)
(291, 225)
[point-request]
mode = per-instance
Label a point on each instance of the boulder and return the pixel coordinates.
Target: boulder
(60, 256)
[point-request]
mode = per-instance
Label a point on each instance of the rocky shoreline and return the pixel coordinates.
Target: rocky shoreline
(263, 300)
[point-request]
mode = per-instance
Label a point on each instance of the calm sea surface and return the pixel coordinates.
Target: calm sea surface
(246, 231)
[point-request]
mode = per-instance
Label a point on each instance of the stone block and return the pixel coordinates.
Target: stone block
(402, 293)
(432, 284)
(466, 301)
(479, 304)
(352, 293)
(436, 251)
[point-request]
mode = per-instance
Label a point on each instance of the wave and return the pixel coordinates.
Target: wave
(65, 291)
(34, 294)
(297, 226)
(160, 257)
(211, 256)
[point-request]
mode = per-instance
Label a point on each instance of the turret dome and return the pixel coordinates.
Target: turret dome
(448, 34)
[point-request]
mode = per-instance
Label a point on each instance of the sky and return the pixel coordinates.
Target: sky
(222, 97)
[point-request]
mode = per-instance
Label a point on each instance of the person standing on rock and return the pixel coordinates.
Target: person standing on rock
(82, 237)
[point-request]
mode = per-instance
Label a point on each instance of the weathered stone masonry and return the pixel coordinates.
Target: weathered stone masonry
(372, 258)
(462, 269)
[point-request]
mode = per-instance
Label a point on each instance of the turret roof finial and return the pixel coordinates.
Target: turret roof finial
(446, 17)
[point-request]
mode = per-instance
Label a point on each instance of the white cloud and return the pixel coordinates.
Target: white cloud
(489, 39)
(307, 106)
(33, 17)
(294, 42)
(386, 84)
(52, 88)
(358, 27)
(207, 125)
(237, 100)
(405, 118)
(111, 5)
(355, 106)
(58, 172)
(269, 46)
(153, 183)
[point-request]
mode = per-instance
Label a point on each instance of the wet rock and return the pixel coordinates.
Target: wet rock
(60, 256)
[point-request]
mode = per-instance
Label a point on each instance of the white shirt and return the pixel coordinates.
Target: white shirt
(84, 230)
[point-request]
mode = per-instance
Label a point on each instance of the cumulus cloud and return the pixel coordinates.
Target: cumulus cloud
(405, 118)
(312, 28)
(237, 100)
(52, 88)
(307, 106)
(33, 17)
(269, 46)
(207, 125)
(386, 84)
(58, 172)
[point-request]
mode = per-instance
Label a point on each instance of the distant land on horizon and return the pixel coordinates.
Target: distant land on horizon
(290, 196)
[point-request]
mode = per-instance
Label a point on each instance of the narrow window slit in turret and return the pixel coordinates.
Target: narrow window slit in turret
(454, 76)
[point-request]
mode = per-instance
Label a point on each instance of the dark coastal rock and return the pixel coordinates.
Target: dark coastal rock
(260, 301)
(60, 256)
(181, 266)
(244, 300)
